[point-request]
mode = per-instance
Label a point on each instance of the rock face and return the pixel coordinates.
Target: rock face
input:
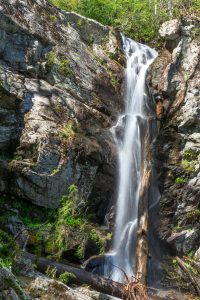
(60, 92)
(175, 81)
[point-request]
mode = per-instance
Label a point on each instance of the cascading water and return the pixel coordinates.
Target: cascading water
(128, 134)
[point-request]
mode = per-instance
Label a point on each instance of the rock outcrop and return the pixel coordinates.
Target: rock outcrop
(176, 81)
(60, 92)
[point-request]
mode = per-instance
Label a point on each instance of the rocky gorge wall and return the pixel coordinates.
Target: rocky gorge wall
(60, 92)
(176, 86)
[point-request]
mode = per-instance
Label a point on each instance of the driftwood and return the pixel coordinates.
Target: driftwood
(129, 291)
(192, 279)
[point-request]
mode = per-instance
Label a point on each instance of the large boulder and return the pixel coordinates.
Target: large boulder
(170, 30)
(49, 289)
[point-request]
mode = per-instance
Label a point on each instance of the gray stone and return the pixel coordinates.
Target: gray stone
(170, 30)
(43, 287)
(9, 287)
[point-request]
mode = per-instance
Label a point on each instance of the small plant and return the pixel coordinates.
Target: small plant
(193, 213)
(64, 67)
(111, 55)
(66, 277)
(53, 18)
(114, 81)
(188, 166)
(73, 221)
(95, 236)
(62, 64)
(80, 23)
(67, 132)
(80, 252)
(17, 156)
(51, 272)
(174, 262)
(54, 171)
(95, 99)
(191, 254)
(180, 180)
(109, 236)
(51, 58)
(190, 155)
(8, 249)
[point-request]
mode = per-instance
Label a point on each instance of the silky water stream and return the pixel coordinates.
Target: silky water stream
(129, 135)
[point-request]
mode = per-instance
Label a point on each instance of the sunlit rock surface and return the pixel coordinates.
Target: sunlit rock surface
(60, 92)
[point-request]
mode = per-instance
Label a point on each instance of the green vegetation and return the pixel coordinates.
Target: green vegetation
(17, 156)
(180, 180)
(67, 132)
(8, 249)
(66, 219)
(38, 220)
(53, 232)
(138, 19)
(54, 171)
(72, 228)
(190, 155)
(188, 166)
(62, 64)
(66, 277)
(51, 272)
(193, 213)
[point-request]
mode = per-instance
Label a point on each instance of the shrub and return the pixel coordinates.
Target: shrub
(138, 19)
(8, 249)
(66, 277)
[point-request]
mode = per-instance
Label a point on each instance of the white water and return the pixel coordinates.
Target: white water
(128, 133)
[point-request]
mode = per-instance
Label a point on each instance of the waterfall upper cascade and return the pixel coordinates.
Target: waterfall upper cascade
(128, 134)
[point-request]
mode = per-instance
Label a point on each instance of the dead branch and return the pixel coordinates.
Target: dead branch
(192, 279)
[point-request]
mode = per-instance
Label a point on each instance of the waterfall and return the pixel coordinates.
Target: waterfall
(129, 134)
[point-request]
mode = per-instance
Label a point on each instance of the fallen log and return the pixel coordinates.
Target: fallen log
(131, 291)
(100, 284)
